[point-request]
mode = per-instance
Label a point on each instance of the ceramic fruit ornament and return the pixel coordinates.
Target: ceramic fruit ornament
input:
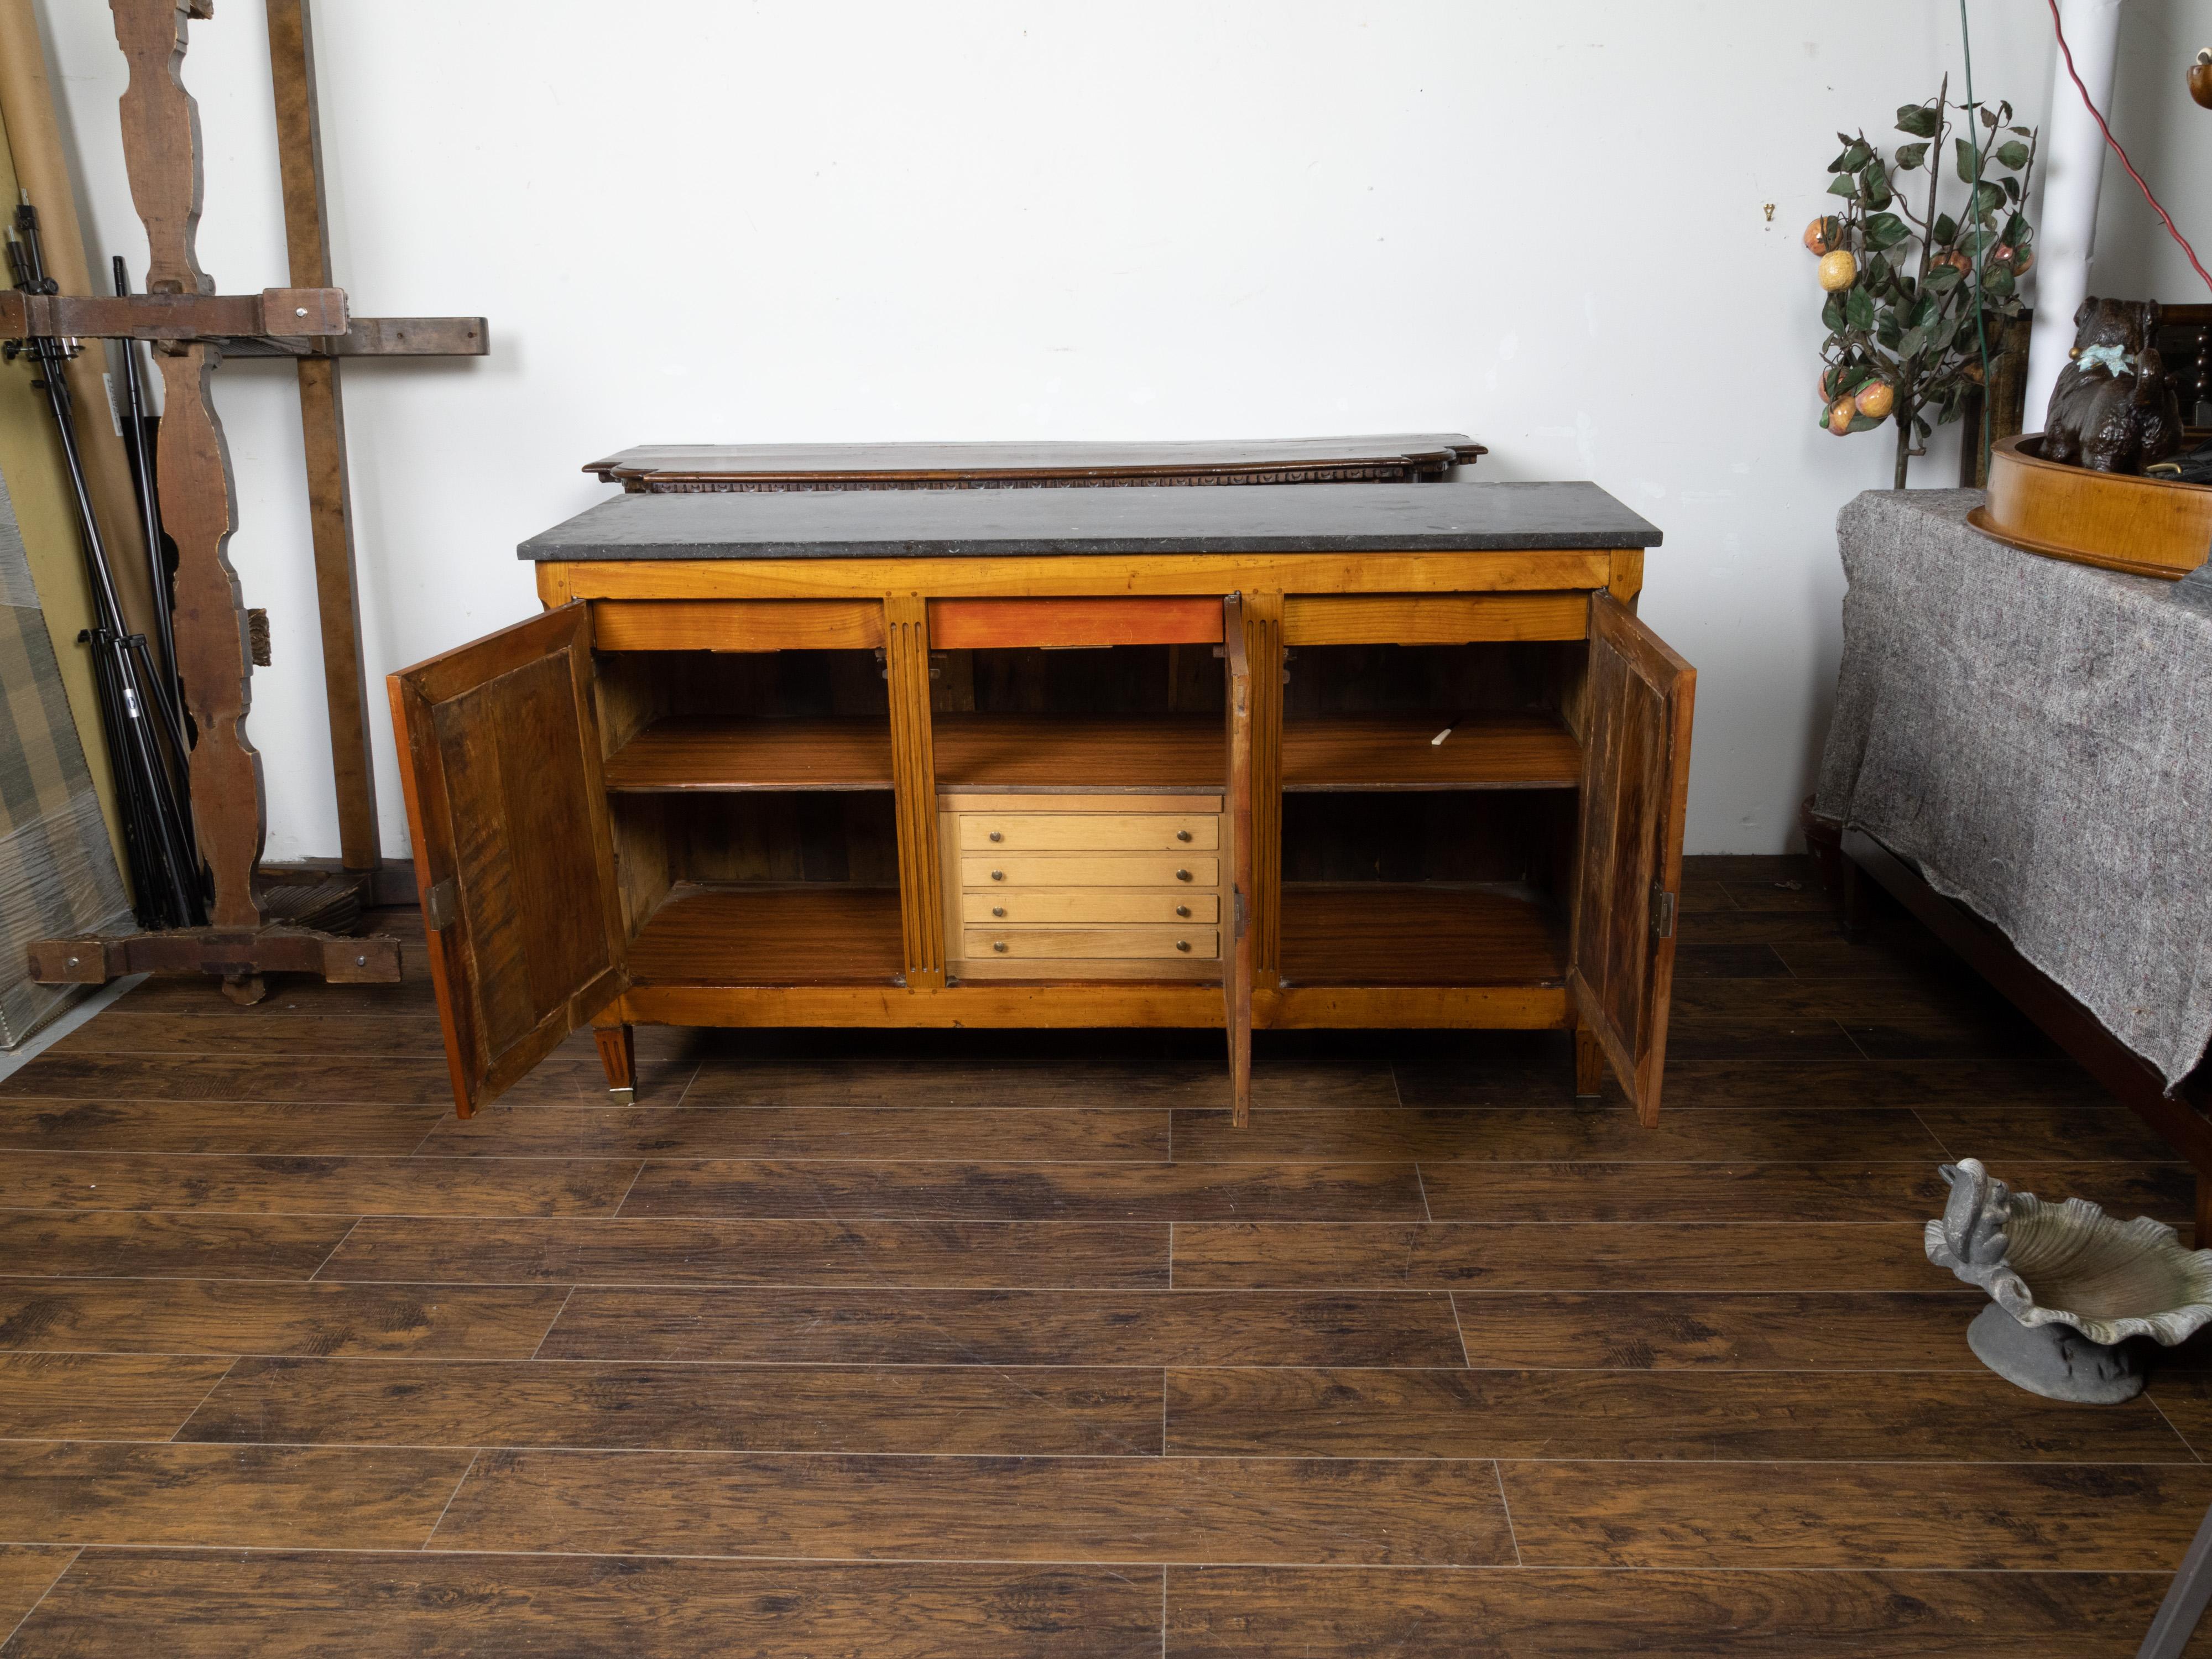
(1904, 279)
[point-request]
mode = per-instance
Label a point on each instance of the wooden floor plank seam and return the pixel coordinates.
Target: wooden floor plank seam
(1506, 1504)
(1410, 1569)
(546, 1335)
(9, 1635)
(186, 1422)
(2194, 1450)
(335, 1248)
(1968, 1367)
(456, 1493)
(2185, 1459)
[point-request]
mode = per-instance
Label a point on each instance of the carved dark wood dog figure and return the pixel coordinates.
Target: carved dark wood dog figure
(2112, 410)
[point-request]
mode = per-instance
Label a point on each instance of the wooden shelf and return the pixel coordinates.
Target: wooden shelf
(1332, 752)
(1420, 933)
(804, 934)
(685, 755)
(1052, 751)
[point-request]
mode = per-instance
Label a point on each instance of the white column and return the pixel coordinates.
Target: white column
(2073, 165)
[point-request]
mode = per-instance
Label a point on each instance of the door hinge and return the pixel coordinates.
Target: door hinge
(438, 904)
(1663, 914)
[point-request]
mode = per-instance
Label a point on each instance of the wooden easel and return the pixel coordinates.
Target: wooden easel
(192, 328)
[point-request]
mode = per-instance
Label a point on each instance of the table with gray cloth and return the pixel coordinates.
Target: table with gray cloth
(2037, 737)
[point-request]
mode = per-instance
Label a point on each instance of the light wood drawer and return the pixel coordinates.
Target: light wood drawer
(1097, 944)
(1089, 831)
(1029, 906)
(1091, 869)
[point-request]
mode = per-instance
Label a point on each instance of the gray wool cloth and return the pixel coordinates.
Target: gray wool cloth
(2037, 737)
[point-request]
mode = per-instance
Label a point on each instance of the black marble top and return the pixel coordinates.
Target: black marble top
(1081, 461)
(1348, 518)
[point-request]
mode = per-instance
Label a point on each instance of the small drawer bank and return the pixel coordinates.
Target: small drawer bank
(1343, 754)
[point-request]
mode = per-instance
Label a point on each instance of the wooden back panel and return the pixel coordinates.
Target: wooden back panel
(500, 755)
(1635, 776)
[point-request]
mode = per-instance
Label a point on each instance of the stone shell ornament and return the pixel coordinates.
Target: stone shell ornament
(2066, 1267)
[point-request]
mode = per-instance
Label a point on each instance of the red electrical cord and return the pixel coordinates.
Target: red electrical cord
(2090, 104)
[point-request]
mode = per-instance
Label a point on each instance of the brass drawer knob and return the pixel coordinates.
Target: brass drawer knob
(998, 944)
(998, 875)
(998, 911)
(1182, 875)
(1182, 944)
(997, 836)
(1182, 835)
(1183, 909)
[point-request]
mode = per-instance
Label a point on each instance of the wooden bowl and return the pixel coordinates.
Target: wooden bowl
(2147, 526)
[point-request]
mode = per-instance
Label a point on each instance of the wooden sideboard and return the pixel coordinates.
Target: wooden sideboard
(1363, 755)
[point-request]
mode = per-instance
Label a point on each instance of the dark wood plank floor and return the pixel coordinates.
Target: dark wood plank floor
(975, 1344)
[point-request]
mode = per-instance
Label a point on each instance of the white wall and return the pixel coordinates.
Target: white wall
(693, 220)
(2169, 137)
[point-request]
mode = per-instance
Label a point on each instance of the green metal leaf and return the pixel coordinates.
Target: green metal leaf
(2013, 153)
(1843, 185)
(1874, 186)
(1910, 156)
(1885, 230)
(1863, 424)
(1832, 313)
(1945, 230)
(1918, 119)
(1856, 157)
(1858, 308)
(1968, 155)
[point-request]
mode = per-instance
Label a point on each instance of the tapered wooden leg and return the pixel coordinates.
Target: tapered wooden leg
(618, 1054)
(1589, 1064)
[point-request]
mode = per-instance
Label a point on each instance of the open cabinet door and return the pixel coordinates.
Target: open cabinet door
(1636, 780)
(1236, 830)
(499, 750)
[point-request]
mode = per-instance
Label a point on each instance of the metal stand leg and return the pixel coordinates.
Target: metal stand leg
(2185, 1600)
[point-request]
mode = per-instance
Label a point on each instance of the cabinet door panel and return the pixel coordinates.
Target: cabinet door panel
(1628, 869)
(500, 755)
(1237, 852)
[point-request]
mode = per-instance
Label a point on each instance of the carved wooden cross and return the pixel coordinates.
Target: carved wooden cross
(192, 327)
